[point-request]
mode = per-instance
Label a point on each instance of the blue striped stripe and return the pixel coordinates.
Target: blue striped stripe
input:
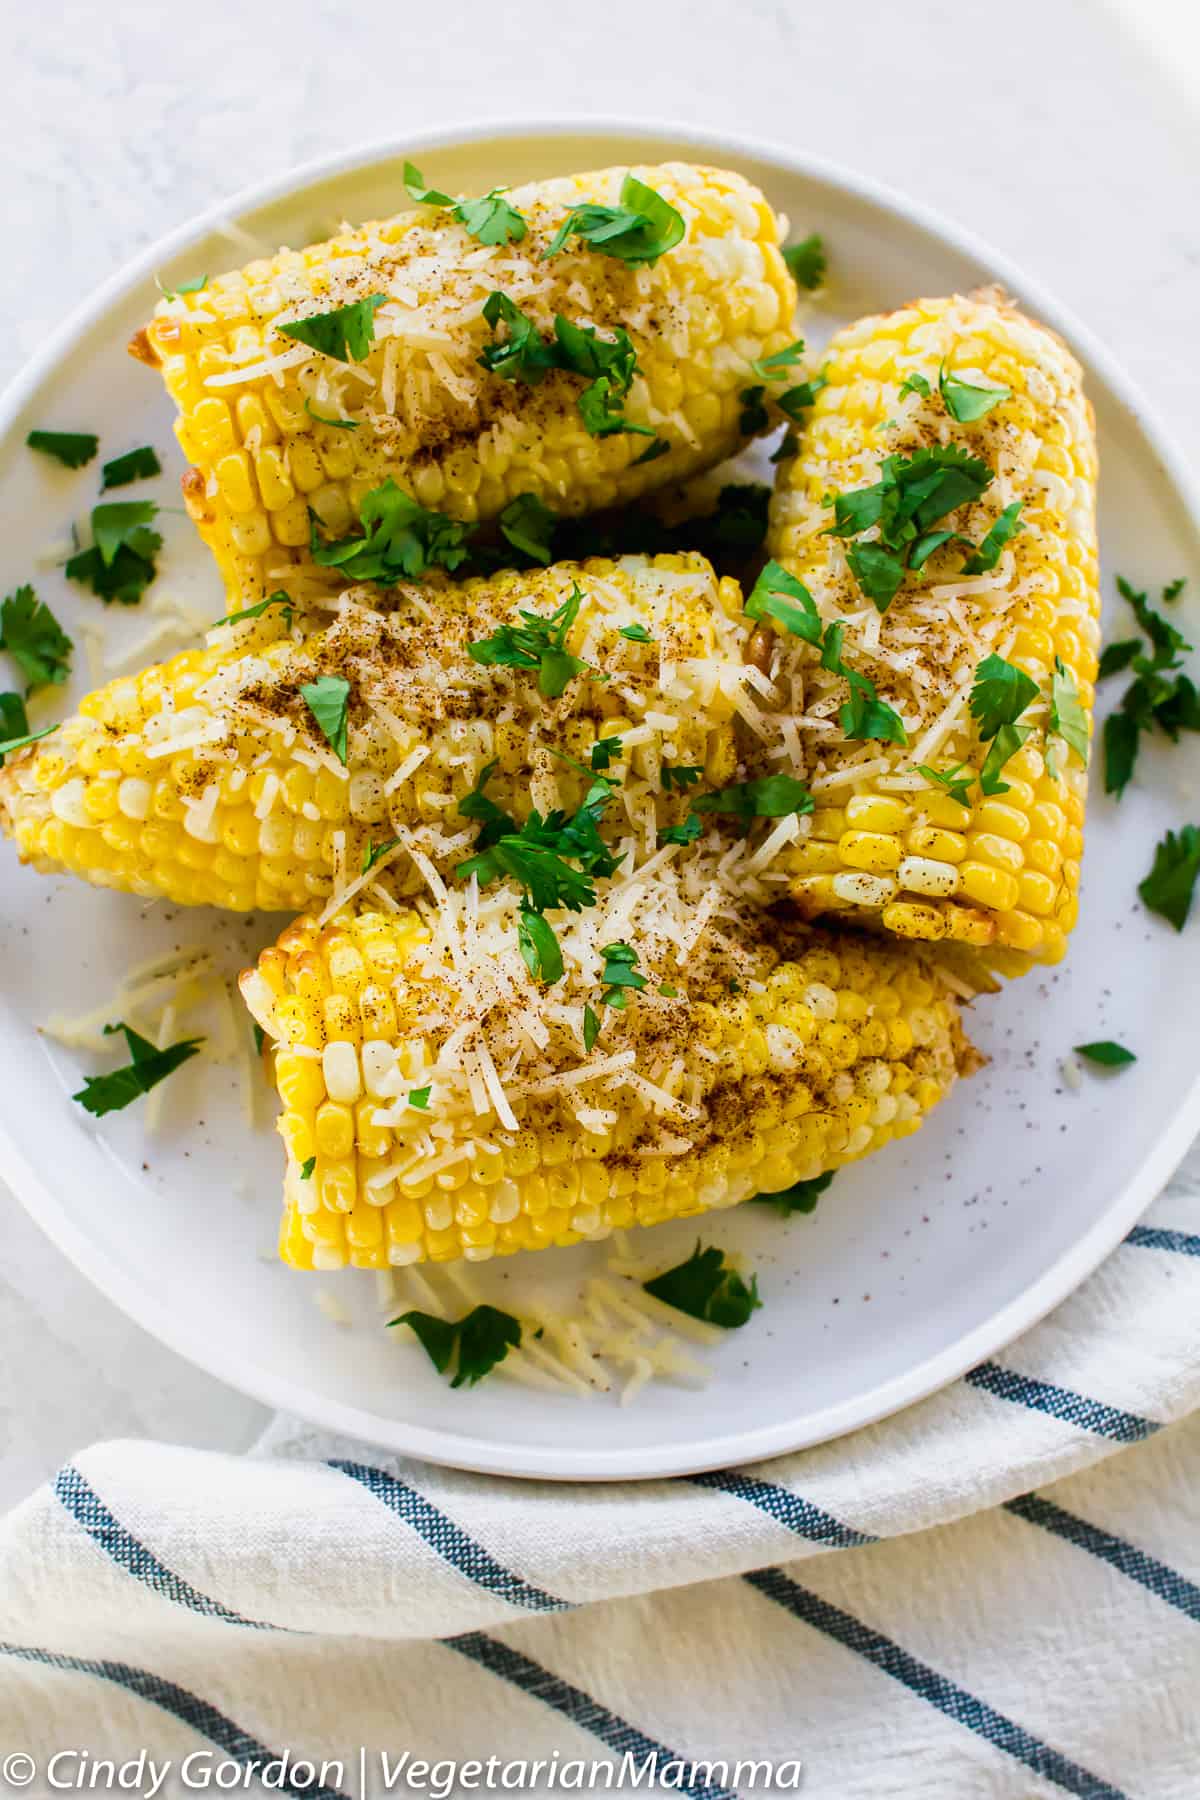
(1146, 1570)
(620, 1737)
(449, 1540)
(1154, 1237)
(1061, 1403)
(182, 1705)
(955, 1702)
(793, 1510)
(86, 1507)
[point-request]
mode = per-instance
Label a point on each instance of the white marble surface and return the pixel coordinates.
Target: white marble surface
(1055, 128)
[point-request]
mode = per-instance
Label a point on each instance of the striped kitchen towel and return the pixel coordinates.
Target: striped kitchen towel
(975, 1600)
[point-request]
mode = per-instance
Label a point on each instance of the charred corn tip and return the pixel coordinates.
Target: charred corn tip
(206, 779)
(833, 1046)
(885, 845)
(459, 439)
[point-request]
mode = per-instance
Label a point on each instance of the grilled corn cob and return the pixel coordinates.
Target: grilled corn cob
(208, 780)
(438, 1103)
(887, 844)
(459, 439)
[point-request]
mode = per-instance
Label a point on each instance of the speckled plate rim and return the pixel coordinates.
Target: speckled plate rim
(461, 1450)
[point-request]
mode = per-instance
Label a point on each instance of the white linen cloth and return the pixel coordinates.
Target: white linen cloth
(975, 1600)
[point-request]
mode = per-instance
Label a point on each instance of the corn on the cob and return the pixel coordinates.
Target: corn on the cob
(438, 1103)
(207, 779)
(886, 844)
(461, 440)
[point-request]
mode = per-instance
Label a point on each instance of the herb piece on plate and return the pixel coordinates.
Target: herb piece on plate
(71, 448)
(705, 1288)
(101, 1094)
(473, 1344)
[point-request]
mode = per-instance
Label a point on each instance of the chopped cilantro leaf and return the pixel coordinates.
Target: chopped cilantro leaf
(771, 595)
(476, 805)
(878, 572)
(402, 539)
(1122, 736)
(620, 974)
(806, 261)
(327, 699)
(1168, 887)
(337, 424)
(71, 448)
(539, 643)
(704, 1288)
(34, 639)
(913, 495)
(1179, 710)
(523, 355)
(771, 368)
(529, 527)
(678, 776)
(1167, 642)
(637, 634)
(539, 854)
(640, 230)
(345, 334)
(601, 408)
(788, 445)
(685, 833)
(915, 384)
(956, 781)
(14, 726)
(864, 715)
(1067, 717)
(135, 465)
(772, 797)
(1174, 588)
(538, 946)
(120, 563)
(801, 1197)
(1000, 695)
(591, 1029)
(604, 752)
(192, 286)
(490, 220)
(419, 1098)
(652, 452)
(475, 1343)
(964, 402)
(1117, 656)
(796, 400)
(988, 553)
(307, 1167)
(373, 853)
(279, 598)
(102, 1094)
(1108, 1054)
(667, 991)
(754, 415)
(1003, 747)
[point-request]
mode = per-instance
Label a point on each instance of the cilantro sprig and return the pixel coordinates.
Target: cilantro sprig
(608, 365)
(346, 333)
(806, 260)
(120, 563)
(280, 597)
(490, 219)
(474, 1344)
(148, 1066)
(638, 231)
(771, 797)
(537, 643)
(780, 596)
(401, 540)
(328, 699)
(1159, 695)
(906, 505)
(1000, 695)
(135, 465)
(705, 1288)
(1169, 886)
(554, 859)
(34, 639)
(73, 449)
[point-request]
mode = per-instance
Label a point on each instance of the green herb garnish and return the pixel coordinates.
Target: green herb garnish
(620, 974)
(637, 634)
(401, 540)
(346, 334)
(489, 220)
(1001, 693)
(34, 639)
(538, 946)
(14, 726)
(120, 564)
(956, 781)
(1168, 887)
(337, 424)
(71, 448)
(529, 527)
(476, 805)
(102, 1094)
(191, 286)
(806, 260)
(913, 495)
(772, 368)
(373, 853)
(307, 1167)
(754, 415)
(772, 797)
(591, 1029)
(801, 1197)
(327, 699)
(915, 384)
(279, 598)
(135, 465)
(604, 752)
(1067, 717)
(475, 1343)
(676, 777)
(1107, 1054)
(966, 403)
(419, 1098)
(640, 230)
(705, 1288)
(539, 643)
(539, 855)
(1118, 656)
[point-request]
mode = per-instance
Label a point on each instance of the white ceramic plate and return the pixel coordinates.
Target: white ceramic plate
(918, 1264)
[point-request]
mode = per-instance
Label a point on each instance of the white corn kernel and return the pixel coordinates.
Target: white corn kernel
(134, 796)
(339, 1064)
(864, 890)
(921, 875)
